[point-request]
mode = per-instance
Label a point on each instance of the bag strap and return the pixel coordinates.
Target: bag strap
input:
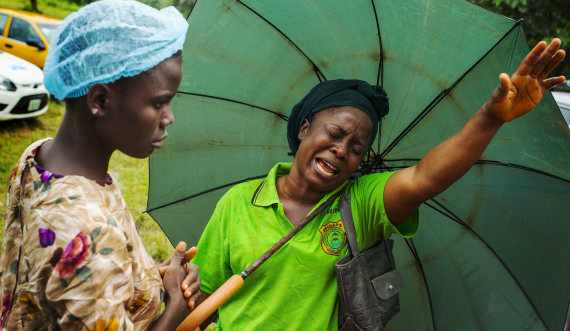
(346, 216)
(388, 246)
(348, 222)
(289, 235)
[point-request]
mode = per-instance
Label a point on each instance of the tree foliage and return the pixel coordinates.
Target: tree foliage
(183, 6)
(34, 4)
(542, 20)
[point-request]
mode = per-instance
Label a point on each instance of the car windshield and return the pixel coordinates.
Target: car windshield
(48, 30)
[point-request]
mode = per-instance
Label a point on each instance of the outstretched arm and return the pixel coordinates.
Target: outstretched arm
(446, 163)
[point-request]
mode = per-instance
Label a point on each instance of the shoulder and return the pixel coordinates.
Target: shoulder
(67, 209)
(33, 147)
(236, 201)
(243, 191)
(75, 196)
(371, 182)
(376, 176)
(248, 191)
(21, 164)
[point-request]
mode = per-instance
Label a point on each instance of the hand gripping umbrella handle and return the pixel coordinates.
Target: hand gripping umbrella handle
(209, 306)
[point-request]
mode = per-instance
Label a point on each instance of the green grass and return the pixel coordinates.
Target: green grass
(131, 174)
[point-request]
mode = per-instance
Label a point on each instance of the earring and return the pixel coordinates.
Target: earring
(94, 111)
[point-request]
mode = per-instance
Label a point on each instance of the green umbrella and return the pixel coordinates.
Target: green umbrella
(492, 252)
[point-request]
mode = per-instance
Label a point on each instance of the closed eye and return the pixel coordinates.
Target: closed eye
(357, 152)
(333, 134)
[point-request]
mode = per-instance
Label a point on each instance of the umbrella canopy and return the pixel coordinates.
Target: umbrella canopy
(492, 251)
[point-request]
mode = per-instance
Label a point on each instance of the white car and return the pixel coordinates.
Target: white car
(22, 91)
(563, 101)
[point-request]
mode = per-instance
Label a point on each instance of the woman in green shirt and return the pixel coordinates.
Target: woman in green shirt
(329, 133)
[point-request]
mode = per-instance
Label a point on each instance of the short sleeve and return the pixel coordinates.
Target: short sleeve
(91, 281)
(369, 213)
(213, 255)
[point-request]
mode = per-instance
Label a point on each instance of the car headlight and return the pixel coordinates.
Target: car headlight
(6, 84)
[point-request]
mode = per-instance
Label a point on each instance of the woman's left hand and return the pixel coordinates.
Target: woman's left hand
(191, 284)
(520, 93)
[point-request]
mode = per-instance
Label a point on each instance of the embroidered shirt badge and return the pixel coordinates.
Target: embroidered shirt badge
(333, 237)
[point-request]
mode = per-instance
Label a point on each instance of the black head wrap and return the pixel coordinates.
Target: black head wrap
(334, 93)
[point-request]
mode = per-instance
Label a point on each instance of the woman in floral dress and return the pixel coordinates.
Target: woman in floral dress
(71, 254)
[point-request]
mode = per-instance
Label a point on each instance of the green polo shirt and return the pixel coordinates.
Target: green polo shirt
(295, 289)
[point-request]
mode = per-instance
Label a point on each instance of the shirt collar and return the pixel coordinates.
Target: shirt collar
(266, 193)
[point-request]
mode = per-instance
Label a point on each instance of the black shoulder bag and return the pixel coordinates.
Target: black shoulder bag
(368, 282)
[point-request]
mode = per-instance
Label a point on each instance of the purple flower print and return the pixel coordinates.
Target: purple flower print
(45, 175)
(47, 237)
(6, 303)
(74, 256)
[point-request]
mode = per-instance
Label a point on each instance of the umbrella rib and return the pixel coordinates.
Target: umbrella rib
(443, 93)
(491, 162)
(204, 192)
(415, 122)
(191, 10)
(446, 212)
(455, 218)
(318, 71)
(412, 247)
(380, 77)
(521, 167)
(283, 117)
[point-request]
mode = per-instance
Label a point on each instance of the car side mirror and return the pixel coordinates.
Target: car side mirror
(36, 43)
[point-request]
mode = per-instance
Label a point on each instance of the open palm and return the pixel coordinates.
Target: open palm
(519, 94)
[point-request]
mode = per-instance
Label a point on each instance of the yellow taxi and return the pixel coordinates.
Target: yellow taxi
(26, 35)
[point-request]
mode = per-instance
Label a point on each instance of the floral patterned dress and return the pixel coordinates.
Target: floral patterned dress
(72, 257)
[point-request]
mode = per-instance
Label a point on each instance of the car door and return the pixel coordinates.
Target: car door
(3, 28)
(19, 32)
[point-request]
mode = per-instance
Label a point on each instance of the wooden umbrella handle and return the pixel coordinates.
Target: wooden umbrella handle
(209, 306)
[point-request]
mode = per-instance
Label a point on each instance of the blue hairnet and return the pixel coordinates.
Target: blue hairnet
(107, 40)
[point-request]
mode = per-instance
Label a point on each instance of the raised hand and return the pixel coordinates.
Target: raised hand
(520, 93)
